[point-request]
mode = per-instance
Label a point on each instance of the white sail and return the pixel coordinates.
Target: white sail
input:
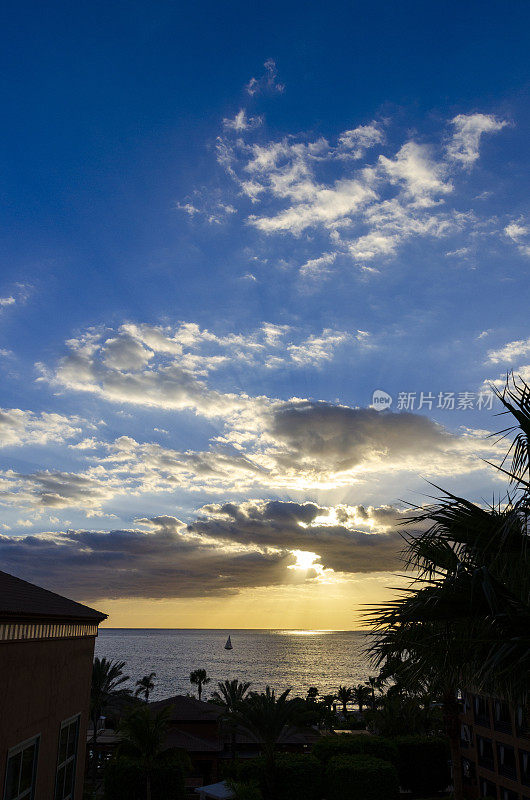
(228, 645)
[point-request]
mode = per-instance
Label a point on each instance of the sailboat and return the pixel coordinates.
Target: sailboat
(228, 645)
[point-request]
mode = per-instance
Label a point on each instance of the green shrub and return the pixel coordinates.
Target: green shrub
(423, 764)
(124, 779)
(356, 744)
(355, 723)
(297, 775)
(361, 777)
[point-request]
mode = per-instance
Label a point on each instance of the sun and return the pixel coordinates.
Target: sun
(304, 559)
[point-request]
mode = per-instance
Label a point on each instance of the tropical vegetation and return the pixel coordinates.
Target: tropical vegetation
(465, 619)
(199, 678)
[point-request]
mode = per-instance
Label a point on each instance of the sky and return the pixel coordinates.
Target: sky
(261, 266)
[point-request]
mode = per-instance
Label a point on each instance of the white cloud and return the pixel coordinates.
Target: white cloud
(18, 427)
(241, 122)
(468, 130)
(510, 352)
(268, 82)
(316, 267)
(7, 301)
(420, 176)
(358, 140)
(301, 187)
(165, 367)
(519, 233)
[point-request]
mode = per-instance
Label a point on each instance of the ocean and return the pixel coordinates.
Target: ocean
(280, 658)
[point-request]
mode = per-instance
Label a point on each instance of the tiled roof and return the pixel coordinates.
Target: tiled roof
(19, 598)
(188, 709)
(192, 744)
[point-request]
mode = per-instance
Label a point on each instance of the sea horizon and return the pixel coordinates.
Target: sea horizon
(227, 628)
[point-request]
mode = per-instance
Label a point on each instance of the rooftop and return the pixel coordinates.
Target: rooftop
(21, 599)
(188, 709)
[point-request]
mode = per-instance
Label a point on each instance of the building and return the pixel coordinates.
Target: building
(198, 728)
(46, 654)
(495, 749)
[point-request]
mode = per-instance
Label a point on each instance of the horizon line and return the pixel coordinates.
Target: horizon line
(160, 628)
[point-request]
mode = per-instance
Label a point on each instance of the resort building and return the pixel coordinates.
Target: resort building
(495, 749)
(46, 653)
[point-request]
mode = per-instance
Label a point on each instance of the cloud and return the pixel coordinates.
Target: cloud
(241, 122)
(299, 186)
(160, 563)
(18, 427)
(519, 233)
(316, 267)
(7, 301)
(308, 527)
(357, 141)
(317, 349)
(421, 178)
(468, 130)
(510, 352)
(261, 443)
(165, 367)
(49, 489)
(340, 442)
(268, 82)
(227, 548)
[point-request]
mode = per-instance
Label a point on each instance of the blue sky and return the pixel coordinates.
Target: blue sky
(223, 228)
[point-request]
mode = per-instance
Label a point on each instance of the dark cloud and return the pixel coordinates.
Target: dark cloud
(292, 526)
(345, 437)
(92, 565)
(228, 548)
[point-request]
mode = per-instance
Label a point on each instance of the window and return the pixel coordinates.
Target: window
(21, 771)
(506, 761)
(482, 715)
(466, 735)
(485, 752)
(524, 764)
(67, 759)
(502, 719)
(488, 789)
(507, 794)
(468, 771)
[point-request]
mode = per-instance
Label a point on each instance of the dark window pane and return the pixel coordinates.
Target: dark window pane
(26, 775)
(69, 778)
(63, 744)
(13, 772)
(72, 739)
(59, 786)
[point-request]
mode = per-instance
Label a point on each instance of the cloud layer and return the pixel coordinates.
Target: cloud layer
(367, 210)
(229, 547)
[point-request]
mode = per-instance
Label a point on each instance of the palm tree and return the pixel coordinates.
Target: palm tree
(199, 678)
(143, 734)
(465, 620)
(361, 695)
(105, 693)
(373, 683)
(145, 686)
(344, 696)
(267, 717)
(231, 695)
(312, 694)
(328, 700)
